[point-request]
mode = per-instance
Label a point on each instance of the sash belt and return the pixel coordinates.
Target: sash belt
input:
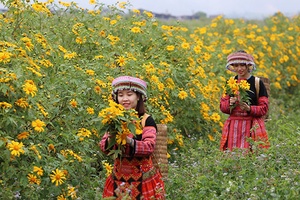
(241, 117)
(145, 175)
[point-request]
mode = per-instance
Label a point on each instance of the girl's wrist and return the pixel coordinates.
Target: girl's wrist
(131, 142)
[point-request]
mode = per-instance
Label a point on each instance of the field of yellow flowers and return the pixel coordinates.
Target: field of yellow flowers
(57, 62)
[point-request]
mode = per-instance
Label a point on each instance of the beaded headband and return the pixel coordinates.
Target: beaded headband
(129, 83)
(240, 57)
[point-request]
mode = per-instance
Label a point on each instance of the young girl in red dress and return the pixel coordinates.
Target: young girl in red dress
(245, 120)
(134, 174)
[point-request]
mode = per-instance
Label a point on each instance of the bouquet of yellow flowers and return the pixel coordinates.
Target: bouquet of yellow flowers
(119, 123)
(238, 89)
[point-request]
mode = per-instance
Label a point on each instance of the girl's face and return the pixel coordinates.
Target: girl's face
(128, 99)
(241, 69)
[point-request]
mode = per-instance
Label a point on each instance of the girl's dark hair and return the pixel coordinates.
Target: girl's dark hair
(140, 107)
(242, 51)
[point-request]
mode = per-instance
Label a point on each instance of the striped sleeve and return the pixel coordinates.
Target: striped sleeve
(145, 146)
(261, 109)
(224, 104)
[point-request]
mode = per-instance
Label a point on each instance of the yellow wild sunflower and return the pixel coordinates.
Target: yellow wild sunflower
(33, 179)
(57, 177)
(73, 103)
(121, 137)
(38, 125)
(182, 95)
(16, 148)
(5, 105)
(136, 29)
(72, 192)
(23, 135)
(84, 132)
(108, 167)
(22, 103)
(39, 171)
(90, 110)
(30, 88)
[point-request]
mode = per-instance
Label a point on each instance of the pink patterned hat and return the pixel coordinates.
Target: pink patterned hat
(238, 58)
(129, 83)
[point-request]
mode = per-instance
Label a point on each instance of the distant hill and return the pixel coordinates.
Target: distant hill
(162, 16)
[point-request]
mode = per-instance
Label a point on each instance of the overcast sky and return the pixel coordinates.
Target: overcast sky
(211, 7)
(244, 8)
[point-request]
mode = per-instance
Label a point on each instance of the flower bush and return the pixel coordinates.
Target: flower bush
(56, 67)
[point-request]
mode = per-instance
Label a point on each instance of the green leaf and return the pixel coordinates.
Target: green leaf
(1, 143)
(132, 128)
(112, 142)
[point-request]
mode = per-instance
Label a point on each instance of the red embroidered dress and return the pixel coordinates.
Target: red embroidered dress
(240, 124)
(134, 174)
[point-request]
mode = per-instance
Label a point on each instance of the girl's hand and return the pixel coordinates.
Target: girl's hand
(232, 100)
(245, 106)
(110, 135)
(130, 141)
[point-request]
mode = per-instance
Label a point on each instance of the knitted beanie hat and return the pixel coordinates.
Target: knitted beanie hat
(240, 57)
(129, 83)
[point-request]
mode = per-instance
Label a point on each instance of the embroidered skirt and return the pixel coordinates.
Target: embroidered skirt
(135, 178)
(238, 129)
